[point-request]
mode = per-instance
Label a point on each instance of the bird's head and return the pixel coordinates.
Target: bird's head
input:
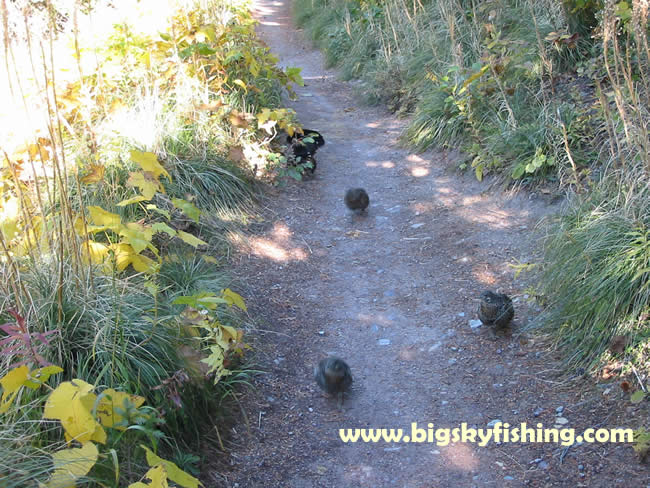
(489, 297)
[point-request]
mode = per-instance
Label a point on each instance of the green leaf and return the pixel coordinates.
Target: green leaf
(518, 171)
(637, 396)
(190, 239)
(188, 208)
(161, 211)
(162, 227)
(203, 299)
(138, 236)
(294, 75)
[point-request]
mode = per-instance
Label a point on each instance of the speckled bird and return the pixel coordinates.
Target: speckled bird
(495, 309)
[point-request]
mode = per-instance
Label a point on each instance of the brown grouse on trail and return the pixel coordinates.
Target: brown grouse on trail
(357, 199)
(495, 309)
(333, 376)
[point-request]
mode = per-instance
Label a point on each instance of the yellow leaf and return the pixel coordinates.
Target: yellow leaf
(72, 403)
(230, 334)
(94, 252)
(143, 264)
(149, 162)
(9, 216)
(190, 239)
(38, 153)
(123, 255)
(11, 383)
(129, 201)
(146, 182)
(158, 477)
(111, 400)
(40, 376)
(95, 174)
(234, 299)
(103, 218)
(78, 225)
(174, 473)
(70, 464)
(240, 83)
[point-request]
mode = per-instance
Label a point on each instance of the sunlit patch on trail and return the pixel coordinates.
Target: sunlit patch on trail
(382, 164)
(461, 456)
(419, 172)
(277, 246)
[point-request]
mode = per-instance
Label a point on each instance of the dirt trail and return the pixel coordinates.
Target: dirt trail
(393, 293)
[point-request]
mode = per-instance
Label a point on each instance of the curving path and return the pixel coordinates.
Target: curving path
(393, 294)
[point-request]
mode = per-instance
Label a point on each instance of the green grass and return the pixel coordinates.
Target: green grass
(597, 273)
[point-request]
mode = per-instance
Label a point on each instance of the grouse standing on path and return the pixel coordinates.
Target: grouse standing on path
(333, 376)
(357, 199)
(495, 309)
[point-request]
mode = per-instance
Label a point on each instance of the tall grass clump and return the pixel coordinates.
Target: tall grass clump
(596, 276)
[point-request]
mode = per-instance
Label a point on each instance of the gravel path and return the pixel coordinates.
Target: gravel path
(393, 293)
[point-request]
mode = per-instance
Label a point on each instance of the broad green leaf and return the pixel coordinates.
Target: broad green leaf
(479, 172)
(190, 239)
(188, 208)
(294, 75)
(149, 162)
(137, 235)
(518, 171)
(233, 298)
(11, 383)
(204, 299)
(174, 473)
(162, 227)
(70, 464)
(161, 211)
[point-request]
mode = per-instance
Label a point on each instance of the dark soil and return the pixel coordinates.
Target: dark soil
(392, 292)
